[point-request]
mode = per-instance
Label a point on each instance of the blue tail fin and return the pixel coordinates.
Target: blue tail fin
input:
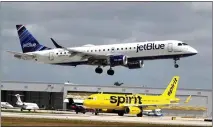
(28, 42)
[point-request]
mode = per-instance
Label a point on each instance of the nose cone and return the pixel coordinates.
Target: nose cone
(193, 51)
(10, 106)
(85, 102)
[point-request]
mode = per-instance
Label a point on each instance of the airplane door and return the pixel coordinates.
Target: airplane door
(51, 57)
(170, 47)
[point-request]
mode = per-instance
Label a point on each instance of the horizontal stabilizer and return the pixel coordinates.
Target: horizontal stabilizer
(22, 55)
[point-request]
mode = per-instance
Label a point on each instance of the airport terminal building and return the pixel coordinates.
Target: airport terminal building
(52, 96)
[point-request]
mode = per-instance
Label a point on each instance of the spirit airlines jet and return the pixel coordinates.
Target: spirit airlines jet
(130, 55)
(133, 104)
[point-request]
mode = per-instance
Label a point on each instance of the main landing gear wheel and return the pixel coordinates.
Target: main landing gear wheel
(110, 72)
(96, 112)
(120, 113)
(176, 65)
(98, 70)
(141, 113)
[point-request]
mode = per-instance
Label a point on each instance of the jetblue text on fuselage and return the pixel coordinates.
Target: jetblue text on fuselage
(149, 46)
(29, 45)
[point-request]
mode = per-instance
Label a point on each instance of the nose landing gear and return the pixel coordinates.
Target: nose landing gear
(175, 62)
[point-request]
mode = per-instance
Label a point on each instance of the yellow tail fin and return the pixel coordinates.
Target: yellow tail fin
(170, 91)
(187, 99)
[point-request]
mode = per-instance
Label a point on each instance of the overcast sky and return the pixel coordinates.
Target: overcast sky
(76, 24)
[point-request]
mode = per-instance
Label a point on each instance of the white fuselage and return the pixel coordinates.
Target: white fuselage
(25, 105)
(6, 105)
(139, 50)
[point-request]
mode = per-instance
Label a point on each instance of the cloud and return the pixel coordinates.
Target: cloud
(202, 6)
(80, 23)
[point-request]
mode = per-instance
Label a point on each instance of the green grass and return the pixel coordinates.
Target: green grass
(24, 111)
(15, 121)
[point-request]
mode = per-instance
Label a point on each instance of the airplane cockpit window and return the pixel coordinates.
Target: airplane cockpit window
(90, 98)
(179, 44)
(184, 44)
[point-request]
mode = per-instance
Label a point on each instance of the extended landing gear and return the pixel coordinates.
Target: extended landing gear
(175, 62)
(110, 72)
(96, 111)
(176, 65)
(99, 70)
(121, 113)
(141, 113)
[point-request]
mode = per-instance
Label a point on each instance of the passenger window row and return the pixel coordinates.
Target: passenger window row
(62, 53)
(112, 49)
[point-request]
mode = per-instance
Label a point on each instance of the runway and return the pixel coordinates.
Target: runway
(107, 117)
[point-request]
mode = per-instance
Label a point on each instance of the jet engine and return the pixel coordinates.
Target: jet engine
(133, 110)
(118, 60)
(135, 64)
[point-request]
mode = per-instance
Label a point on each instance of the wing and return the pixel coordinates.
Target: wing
(84, 55)
(22, 55)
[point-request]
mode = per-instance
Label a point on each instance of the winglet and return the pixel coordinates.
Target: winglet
(188, 99)
(56, 45)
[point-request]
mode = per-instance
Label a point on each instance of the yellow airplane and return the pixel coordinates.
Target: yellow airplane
(148, 108)
(133, 103)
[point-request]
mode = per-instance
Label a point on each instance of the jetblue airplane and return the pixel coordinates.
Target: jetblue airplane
(130, 55)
